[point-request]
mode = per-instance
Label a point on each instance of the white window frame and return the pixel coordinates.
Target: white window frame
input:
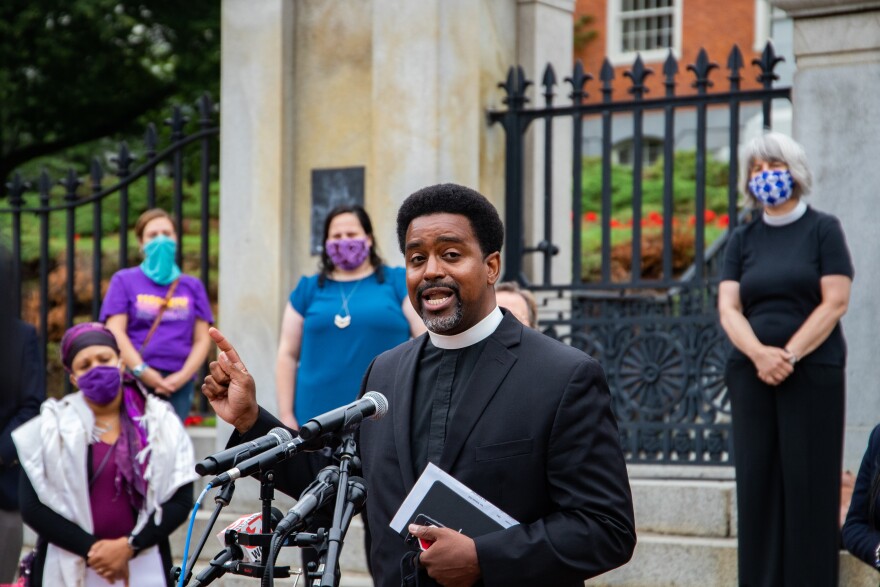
(614, 49)
(763, 11)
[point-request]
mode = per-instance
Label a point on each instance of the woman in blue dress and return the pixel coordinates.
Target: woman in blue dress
(339, 319)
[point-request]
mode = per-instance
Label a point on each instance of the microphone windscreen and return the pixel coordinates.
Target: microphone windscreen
(381, 403)
(283, 434)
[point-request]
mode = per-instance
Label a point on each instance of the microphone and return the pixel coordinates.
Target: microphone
(265, 460)
(357, 493)
(225, 459)
(319, 492)
(372, 405)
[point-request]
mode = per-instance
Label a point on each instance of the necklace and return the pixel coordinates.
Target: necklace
(101, 428)
(344, 321)
(103, 425)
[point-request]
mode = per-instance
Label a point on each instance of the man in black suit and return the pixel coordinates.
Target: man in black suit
(520, 418)
(22, 390)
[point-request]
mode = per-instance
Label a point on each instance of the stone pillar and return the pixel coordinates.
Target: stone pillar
(837, 118)
(545, 35)
(433, 82)
(257, 240)
(399, 88)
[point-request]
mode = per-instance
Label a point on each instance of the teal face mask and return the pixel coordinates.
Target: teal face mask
(159, 262)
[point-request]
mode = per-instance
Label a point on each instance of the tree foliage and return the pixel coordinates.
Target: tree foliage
(76, 70)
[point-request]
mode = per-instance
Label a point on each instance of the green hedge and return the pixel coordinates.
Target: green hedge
(684, 186)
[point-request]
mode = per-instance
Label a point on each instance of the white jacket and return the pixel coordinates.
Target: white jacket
(53, 449)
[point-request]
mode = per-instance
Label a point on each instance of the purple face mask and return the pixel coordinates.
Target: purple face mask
(348, 253)
(100, 384)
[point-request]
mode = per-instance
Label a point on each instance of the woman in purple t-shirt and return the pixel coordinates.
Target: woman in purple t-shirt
(172, 355)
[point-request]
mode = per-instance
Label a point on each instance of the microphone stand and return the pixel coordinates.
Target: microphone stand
(234, 540)
(222, 499)
(348, 451)
(264, 538)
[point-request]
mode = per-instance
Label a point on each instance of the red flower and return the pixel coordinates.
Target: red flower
(591, 217)
(709, 215)
(615, 223)
(655, 218)
(723, 221)
(193, 421)
(692, 220)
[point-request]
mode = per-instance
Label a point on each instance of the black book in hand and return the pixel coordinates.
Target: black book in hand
(443, 498)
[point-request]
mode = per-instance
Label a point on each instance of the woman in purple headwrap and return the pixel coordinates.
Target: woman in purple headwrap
(107, 473)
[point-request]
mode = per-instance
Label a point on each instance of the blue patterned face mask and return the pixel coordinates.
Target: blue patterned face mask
(159, 262)
(772, 187)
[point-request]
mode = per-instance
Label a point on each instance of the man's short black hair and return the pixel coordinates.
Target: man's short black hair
(450, 198)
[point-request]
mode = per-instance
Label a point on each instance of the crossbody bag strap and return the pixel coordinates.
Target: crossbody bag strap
(159, 315)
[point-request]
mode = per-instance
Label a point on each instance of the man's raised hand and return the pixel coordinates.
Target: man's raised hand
(230, 388)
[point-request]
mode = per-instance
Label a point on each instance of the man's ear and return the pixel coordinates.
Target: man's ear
(493, 266)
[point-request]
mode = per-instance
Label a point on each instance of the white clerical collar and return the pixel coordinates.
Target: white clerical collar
(787, 218)
(472, 335)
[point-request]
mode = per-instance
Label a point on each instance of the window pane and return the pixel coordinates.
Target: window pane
(646, 24)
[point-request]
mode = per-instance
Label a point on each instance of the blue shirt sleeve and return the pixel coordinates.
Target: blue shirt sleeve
(302, 295)
(397, 279)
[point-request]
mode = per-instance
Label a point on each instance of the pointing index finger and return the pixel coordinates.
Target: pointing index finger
(224, 345)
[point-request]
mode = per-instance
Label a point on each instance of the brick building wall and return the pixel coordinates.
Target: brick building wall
(710, 24)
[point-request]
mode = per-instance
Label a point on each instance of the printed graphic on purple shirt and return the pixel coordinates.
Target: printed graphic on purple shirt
(138, 297)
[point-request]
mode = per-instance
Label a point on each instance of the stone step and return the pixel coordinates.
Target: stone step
(659, 561)
(685, 519)
(683, 507)
(681, 561)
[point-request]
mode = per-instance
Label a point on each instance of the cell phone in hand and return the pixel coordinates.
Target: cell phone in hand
(423, 520)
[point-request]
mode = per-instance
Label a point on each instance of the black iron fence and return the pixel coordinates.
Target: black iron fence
(34, 204)
(657, 337)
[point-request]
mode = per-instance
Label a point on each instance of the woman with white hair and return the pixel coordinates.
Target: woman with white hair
(784, 287)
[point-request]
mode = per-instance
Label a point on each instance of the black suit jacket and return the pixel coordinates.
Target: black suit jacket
(22, 390)
(861, 531)
(533, 433)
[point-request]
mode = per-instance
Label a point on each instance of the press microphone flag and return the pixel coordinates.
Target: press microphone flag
(372, 405)
(250, 524)
(226, 459)
(228, 558)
